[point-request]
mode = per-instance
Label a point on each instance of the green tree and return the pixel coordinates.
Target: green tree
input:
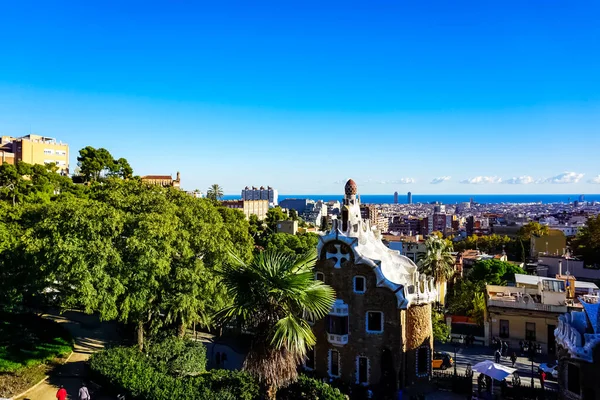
(532, 228)
(271, 296)
(441, 332)
(214, 192)
(587, 242)
(121, 168)
(293, 214)
(292, 244)
(460, 298)
(274, 215)
(437, 261)
(95, 163)
(494, 272)
(478, 310)
(325, 225)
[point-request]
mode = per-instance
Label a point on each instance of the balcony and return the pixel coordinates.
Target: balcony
(337, 340)
(531, 305)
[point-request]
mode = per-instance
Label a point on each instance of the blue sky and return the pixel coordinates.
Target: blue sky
(482, 97)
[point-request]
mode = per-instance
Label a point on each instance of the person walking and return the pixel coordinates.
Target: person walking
(84, 393)
(504, 349)
(542, 378)
(513, 358)
(497, 356)
(62, 393)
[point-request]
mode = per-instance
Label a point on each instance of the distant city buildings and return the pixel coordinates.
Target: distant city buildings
(299, 205)
(409, 198)
(395, 197)
(162, 180)
(261, 193)
(35, 149)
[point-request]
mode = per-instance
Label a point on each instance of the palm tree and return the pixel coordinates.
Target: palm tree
(215, 192)
(273, 297)
(437, 261)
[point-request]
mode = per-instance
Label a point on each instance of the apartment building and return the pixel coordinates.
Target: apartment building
(249, 207)
(35, 149)
(261, 193)
(530, 310)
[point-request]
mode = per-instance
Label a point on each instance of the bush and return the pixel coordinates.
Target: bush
(178, 357)
(309, 389)
(147, 377)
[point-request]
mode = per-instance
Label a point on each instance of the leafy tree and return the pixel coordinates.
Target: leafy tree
(478, 310)
(494, 272)
(271, 296)
(274, 215)
(441, 332)
(532, 228)
(292, 244)
(460, 299)
(95, 163)
(437, 261)
(325, 225)
(293, 214)
(121, 168)
(587, 242)
(214, 192)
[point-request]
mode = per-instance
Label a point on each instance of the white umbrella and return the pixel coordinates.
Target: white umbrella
(493, 370)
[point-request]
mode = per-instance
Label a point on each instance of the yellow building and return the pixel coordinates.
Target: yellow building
(249, 207)
(35, 149)
(162, 180)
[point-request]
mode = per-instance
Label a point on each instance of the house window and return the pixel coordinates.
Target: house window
(362, 370)
(337, 325)
(309, 363)
(573, 383)
(334, 363)
(504, 331)
(320, 277)
(47, 151)
(374, 322)
(530, 331)
(553, 286)
(360, 284)
(423, 361)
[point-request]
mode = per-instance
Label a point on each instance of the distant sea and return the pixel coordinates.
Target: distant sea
(445, 198)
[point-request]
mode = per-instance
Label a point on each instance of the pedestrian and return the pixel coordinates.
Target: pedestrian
(62, 393)
(542, 378)
(513, 358)
(84, 393)
(497, 356)
(504, 349)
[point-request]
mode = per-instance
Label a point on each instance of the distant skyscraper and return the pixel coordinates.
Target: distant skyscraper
(409, 198)
(261, 193)
(395, 197)
(581, 198)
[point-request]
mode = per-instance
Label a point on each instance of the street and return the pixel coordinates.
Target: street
(475, 354)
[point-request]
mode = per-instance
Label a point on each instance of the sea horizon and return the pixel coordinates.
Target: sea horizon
(445, 198)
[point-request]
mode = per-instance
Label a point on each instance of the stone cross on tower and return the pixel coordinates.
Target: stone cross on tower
(338, 255)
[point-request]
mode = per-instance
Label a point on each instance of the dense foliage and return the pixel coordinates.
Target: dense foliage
(441, 331)
(494, 272)
(587, 243)
(119, 247)
(149, 377)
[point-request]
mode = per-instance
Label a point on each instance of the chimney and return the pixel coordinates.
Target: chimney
(560, 268)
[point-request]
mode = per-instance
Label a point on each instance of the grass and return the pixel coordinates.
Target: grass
(27, 340)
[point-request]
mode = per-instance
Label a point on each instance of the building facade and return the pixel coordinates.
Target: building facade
(35, 149)
(249, 207)
(162, 180)
(261, 193)
(379, 332)
(409, 198)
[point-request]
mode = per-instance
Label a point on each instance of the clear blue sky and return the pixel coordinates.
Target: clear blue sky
(302, 95)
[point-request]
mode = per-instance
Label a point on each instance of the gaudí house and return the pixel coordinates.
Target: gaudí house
(379, 331)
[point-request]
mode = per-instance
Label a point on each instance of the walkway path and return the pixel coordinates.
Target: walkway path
(90, 335)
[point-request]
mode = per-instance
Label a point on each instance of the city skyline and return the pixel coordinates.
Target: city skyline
(462, 99)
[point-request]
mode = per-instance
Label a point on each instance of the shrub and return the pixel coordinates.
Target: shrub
(178, 357)
(309, 389)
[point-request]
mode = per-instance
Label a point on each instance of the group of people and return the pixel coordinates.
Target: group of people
(502, 351)
(84, 393)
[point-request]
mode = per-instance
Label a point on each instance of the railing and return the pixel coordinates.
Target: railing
(527, 306)
(339, 340)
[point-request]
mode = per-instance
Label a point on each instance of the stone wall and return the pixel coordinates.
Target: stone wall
(418, 334)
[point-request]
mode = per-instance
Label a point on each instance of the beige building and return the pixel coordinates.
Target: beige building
(162, 180)
(529, 311)
(249, 207)
(35, 149)
(289, 227)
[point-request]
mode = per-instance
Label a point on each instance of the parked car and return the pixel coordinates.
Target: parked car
(441, 360)
(551, 369)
